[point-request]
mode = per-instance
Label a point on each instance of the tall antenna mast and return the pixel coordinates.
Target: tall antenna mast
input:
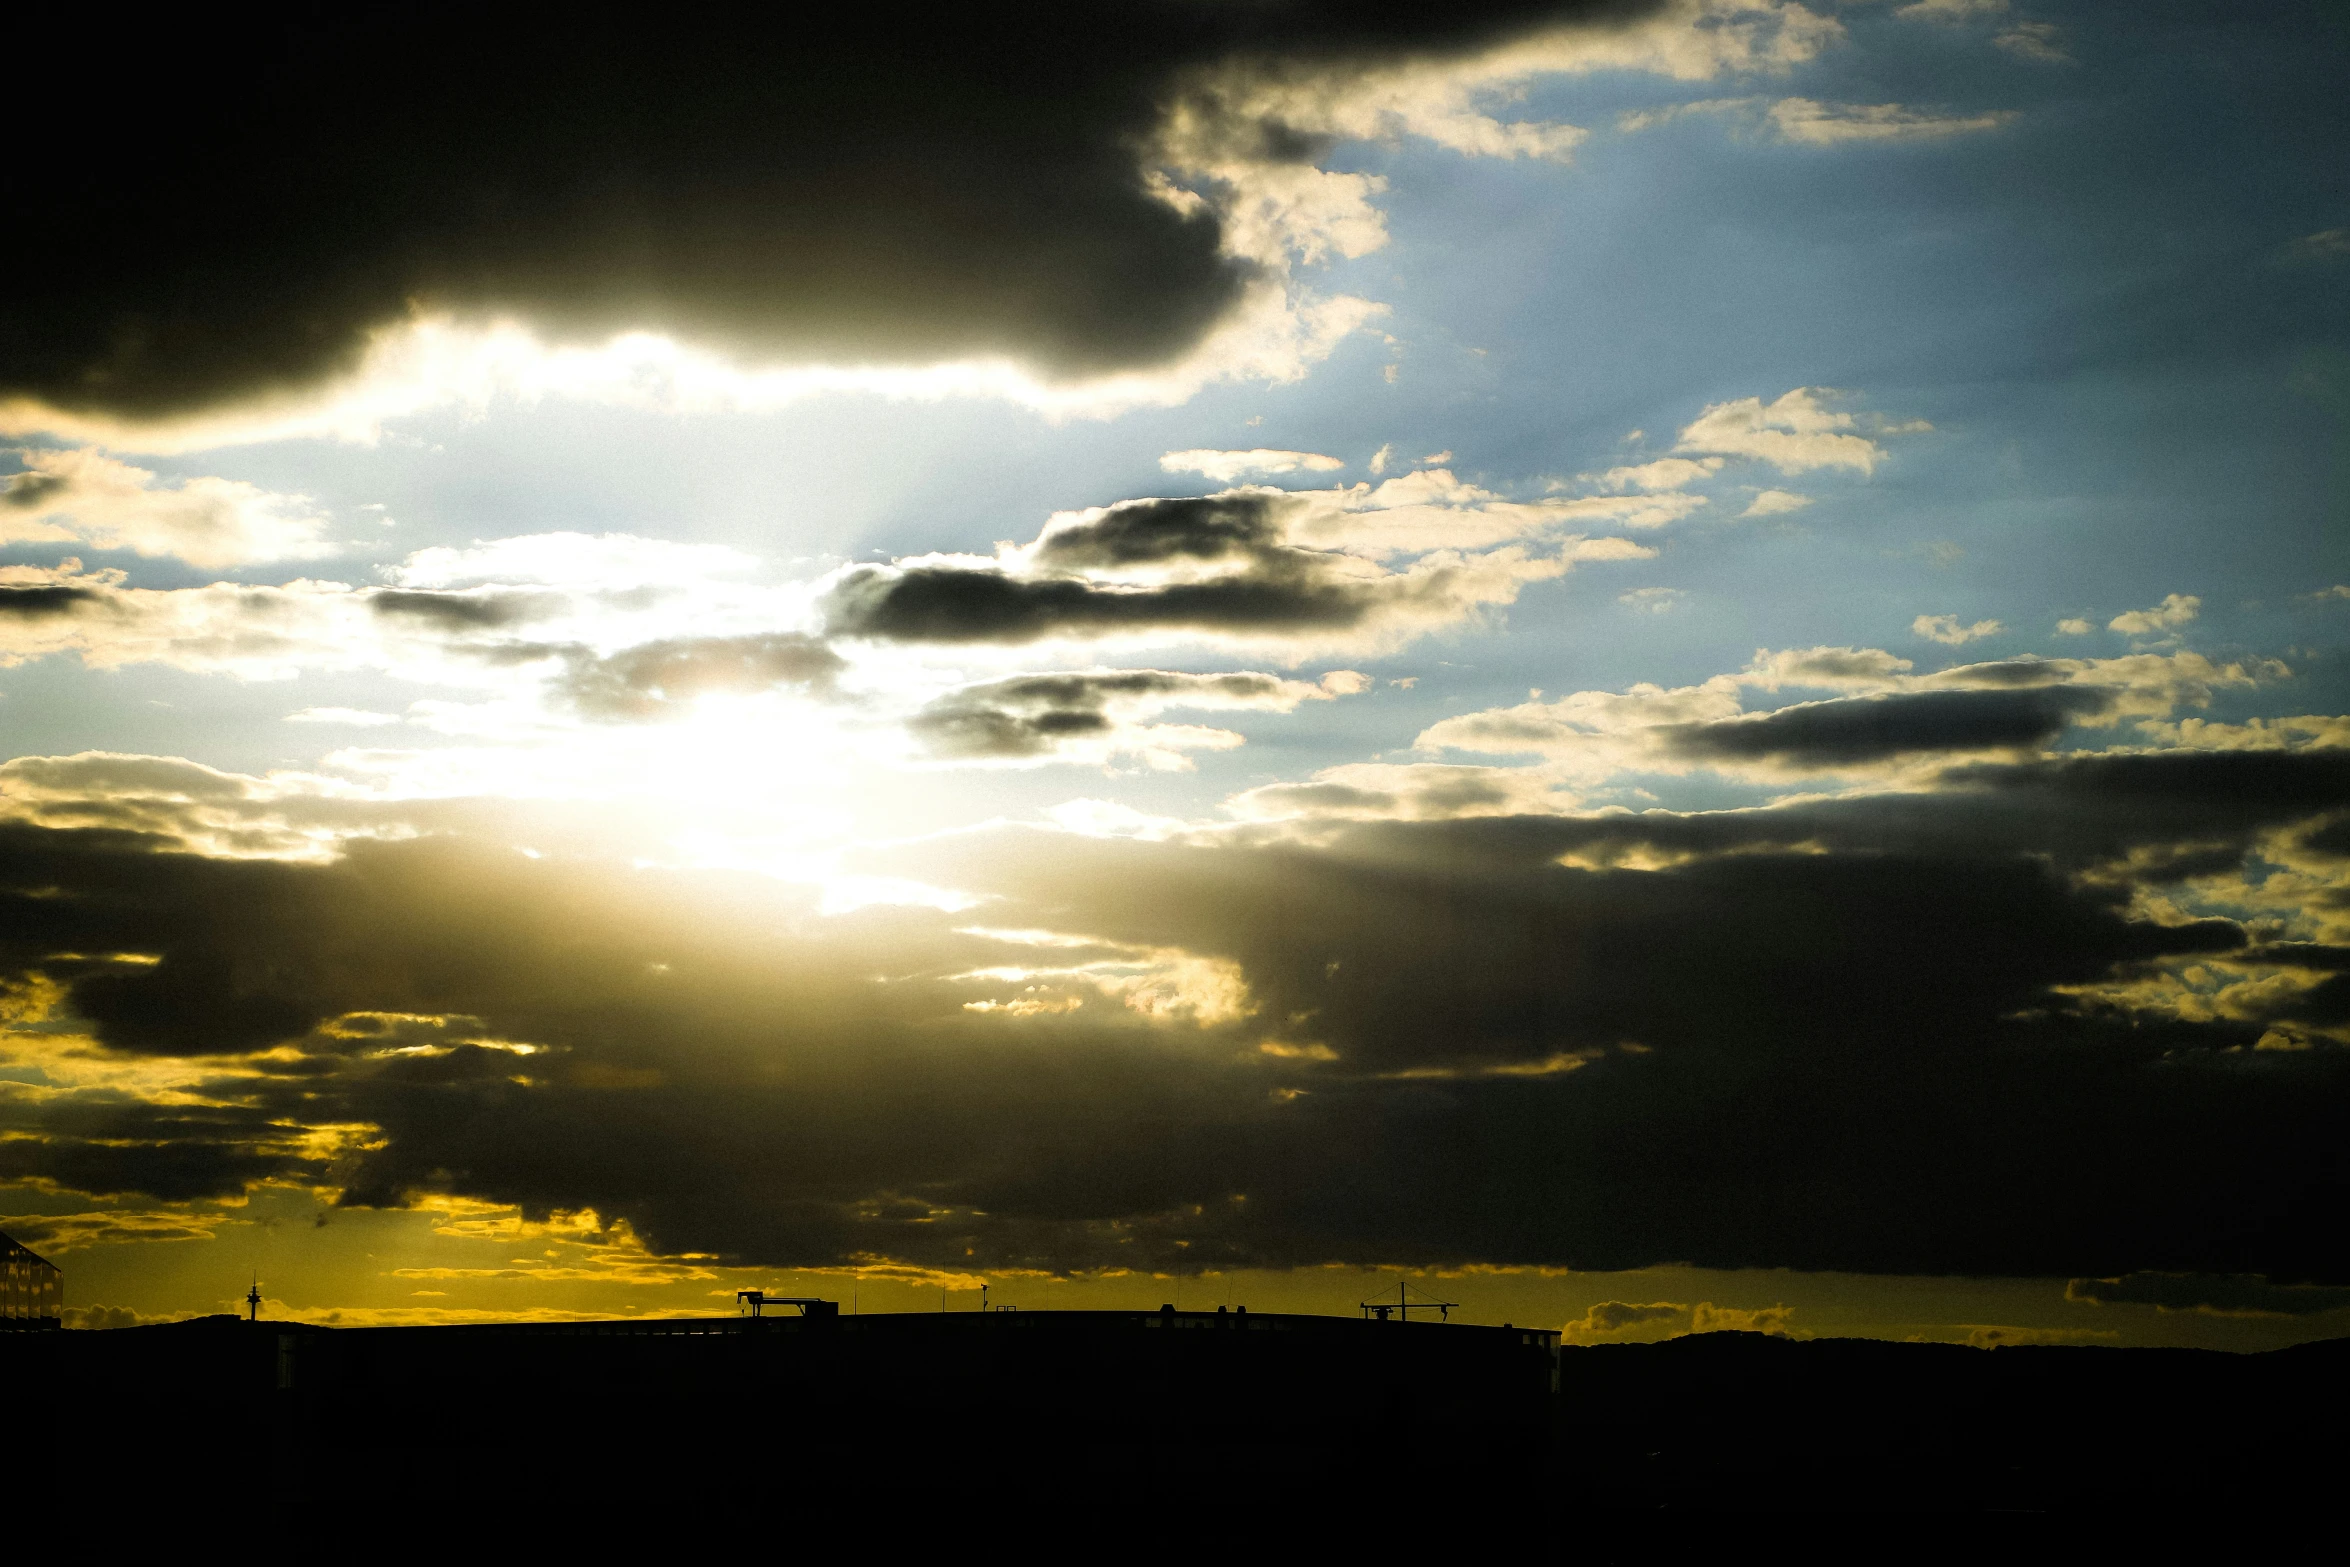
(253, 1300)
(1403, 1305)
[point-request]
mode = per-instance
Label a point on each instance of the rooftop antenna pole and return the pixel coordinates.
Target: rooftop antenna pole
(1404, 1305)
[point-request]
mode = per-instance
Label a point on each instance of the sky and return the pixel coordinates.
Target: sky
(1656, 666)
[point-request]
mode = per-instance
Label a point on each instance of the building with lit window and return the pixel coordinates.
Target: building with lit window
(32, 1291)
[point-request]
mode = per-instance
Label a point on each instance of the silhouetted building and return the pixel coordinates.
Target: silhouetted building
(814, 1402)
(1172, 1424)
(32, 1291)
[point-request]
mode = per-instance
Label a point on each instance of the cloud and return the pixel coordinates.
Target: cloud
(1238, 525)
(86, 497)
(1654, 601)
(1949, 10)
(187, 805)
(256, 632)
(1825, 667)
(1795, 433)
(2236, 1295)
(458, 626)
(1224, 467)
(1434, 509)
(60, 1233)
(551, 630)
(24, 601)
(1706, 1317)
(1223, 566)
(1772, 503)
(2176, 610)
(1028, 205)
(1895, 722)
(2285, 733)
(1810, 122)
(1857, 731)
(664, 679)
(2142, 685)
(1404, 791)
(2324, 245)
(805, 205)
(1917, 985)
(97, 1317)
(470, 610)
(1827, 124)
(1094, 715)
(260, 632)
(1947, 630)
(1243, 126)
(1294, 596)
(2040, 42)
(2074, 627)
(1666, 473)
(1392, 791)
(1653, 730)
(1611, 1318)
(1636, 120)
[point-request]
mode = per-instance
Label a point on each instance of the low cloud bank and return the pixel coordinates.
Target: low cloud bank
(1954, 1031)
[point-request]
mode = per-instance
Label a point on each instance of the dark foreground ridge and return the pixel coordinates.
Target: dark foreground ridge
(1156, 1404)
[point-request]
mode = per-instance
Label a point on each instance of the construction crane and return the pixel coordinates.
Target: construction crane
(809, 1305)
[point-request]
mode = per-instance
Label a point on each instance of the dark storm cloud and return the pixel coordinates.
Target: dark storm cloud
(2179, 786)
(1511, 958)
(1855, 1058)
(208, 994)
(1835, 1035)
(1033, 715)
(1859, 730)
(659, 679)
(264, 190)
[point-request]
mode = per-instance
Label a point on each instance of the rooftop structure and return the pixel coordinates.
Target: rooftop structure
(32, 1290)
